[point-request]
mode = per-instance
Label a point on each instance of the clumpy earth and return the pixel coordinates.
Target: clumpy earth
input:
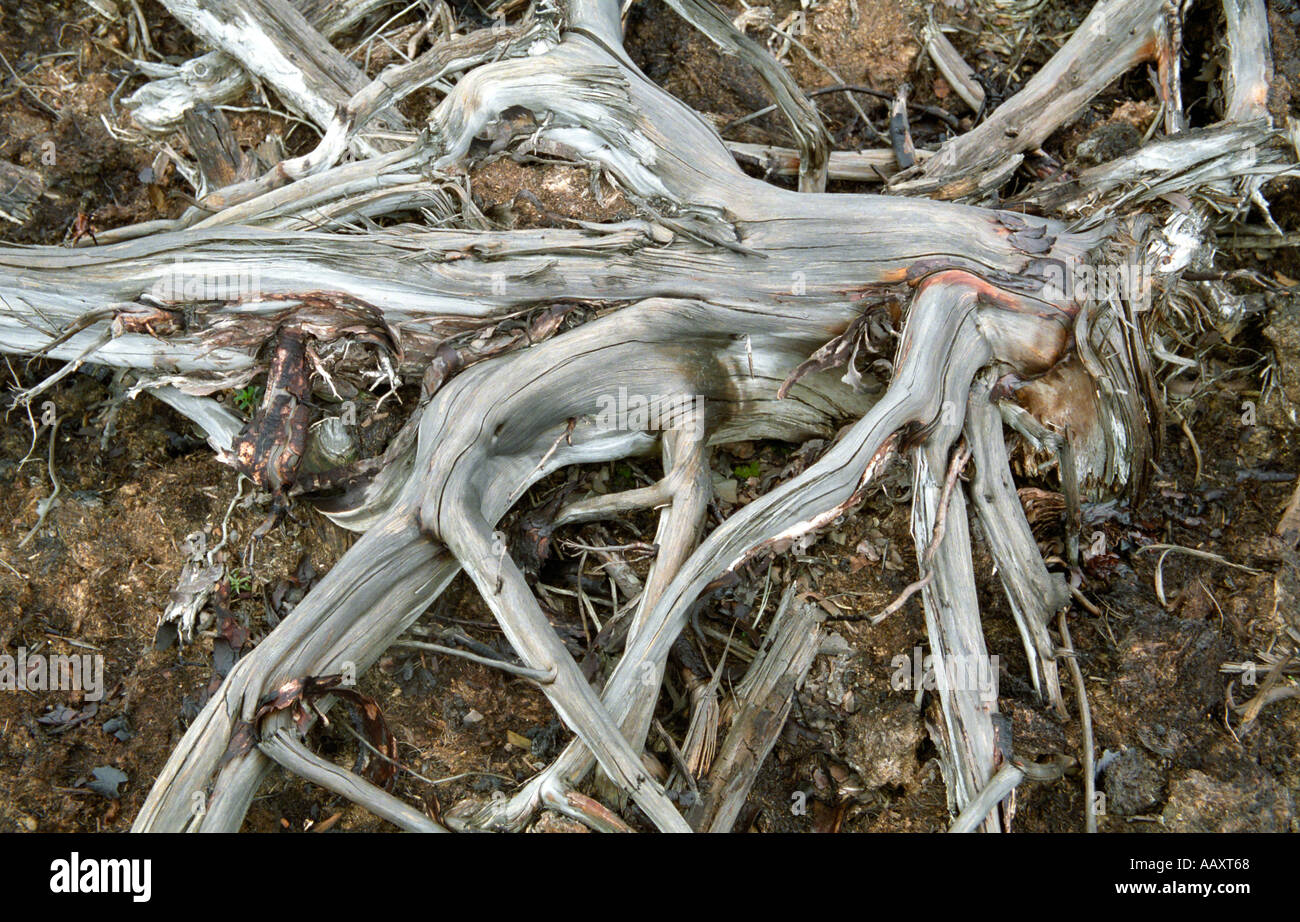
(1181, 744)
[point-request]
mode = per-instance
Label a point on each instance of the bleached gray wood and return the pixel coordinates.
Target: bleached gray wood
(274, 41)
(765, 696)
(813, 140)
(1249, 71)
(216, 78)
(1034, 594)
(292, 755)
(725, 285)
(852, 165)
(1115, 36)
(959, 74)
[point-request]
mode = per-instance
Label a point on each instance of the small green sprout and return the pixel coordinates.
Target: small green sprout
(246, 398)
(746, 471)
(624, 477)
(240, 582)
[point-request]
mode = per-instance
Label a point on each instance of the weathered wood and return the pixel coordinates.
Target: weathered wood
(725, 286)
(960, 75)
(1249, 70)
(852, 165)
(293, 756)
(342, 621)
(20, 190)
(219, 159)
(813, 139)
(275, 42)
(1034, 594)
(1116, 36)
(216, 78)
(765, 696)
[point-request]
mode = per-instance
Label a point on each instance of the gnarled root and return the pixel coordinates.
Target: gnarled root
(1034, 594)
(724, 286)
(381, 585)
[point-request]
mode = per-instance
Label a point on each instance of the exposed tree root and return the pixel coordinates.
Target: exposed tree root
(724, 287)
(765, 694)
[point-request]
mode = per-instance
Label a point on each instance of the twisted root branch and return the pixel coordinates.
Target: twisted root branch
(725, 287)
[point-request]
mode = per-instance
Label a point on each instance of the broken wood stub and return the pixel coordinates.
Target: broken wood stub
(271, 446)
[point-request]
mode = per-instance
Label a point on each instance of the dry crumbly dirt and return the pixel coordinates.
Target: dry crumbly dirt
(855, 752)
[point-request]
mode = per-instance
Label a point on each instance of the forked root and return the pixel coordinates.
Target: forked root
(942, 341)
(732, 285)
(1034, 594)
(505, 590)
(383, 583)
(470, 466)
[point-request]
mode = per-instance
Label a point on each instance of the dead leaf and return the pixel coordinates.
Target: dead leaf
(107, 780)
(519, 740)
